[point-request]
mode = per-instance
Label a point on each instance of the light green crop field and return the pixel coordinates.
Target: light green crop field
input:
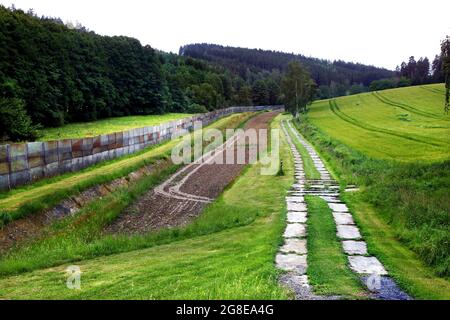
(405, 124)
(110, 125)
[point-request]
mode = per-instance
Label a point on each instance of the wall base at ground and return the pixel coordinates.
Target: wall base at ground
(23, 163)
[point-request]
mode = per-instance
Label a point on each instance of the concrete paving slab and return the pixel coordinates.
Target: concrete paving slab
(354, 247)
(295, 199)
(330, 199)
(366, 265)
(295, 230)
(296, 217)
(294, 246)
(291, 262)
(295, 206)
(338, 207)
(343, 218)
(348, 232)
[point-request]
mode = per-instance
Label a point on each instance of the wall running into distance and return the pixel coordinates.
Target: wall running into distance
(23, 163)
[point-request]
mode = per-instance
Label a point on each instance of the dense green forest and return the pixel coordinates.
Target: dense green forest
(333, 78)
(52, 74)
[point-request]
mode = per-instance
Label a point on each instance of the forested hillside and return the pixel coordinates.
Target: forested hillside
(335, 78)
(52, 74)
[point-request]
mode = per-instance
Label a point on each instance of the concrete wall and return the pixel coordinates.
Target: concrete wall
(23, 163)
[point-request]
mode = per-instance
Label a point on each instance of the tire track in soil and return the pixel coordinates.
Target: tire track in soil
(184, 195)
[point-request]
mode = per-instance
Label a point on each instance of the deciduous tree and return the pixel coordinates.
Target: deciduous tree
(297, 88)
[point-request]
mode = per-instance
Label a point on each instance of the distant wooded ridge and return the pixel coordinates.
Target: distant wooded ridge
(52, 74)
(334, 78)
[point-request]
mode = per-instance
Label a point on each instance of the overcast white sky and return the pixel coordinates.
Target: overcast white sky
(377, 32)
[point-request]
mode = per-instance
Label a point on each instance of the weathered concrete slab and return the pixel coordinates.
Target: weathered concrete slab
(296, 217)
(298, 185)
(295, 199)
(348, 232)
(294, 246)
(295, 206)
(343, 218)
(354, 247)
(292, 262)
(295, 230)
(366, 265)
(330, 199)
(338, 207)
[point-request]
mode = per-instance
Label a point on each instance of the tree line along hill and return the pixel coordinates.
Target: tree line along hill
(52, 74)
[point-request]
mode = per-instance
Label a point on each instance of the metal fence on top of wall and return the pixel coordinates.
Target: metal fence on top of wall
(23, 163)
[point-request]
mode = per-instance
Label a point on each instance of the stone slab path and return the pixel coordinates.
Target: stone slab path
(292, 256)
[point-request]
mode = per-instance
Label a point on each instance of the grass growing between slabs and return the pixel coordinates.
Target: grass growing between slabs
(227, 253)
(406, 202)
(311, 172)
(110, 125)
(47, 193)
(328, 269)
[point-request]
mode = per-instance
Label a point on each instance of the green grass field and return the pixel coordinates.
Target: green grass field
(406, 124)
(227, 253)
(95, 128)
(403, 170)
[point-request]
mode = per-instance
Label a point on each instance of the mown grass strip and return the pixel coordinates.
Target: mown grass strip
(328, 268)
(308, 164)
(433, 90)
(335, 109)
(81, 236)
(404, 106)
(229, 254)
(403, 264)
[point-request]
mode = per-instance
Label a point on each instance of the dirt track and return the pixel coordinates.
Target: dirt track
(185, 194)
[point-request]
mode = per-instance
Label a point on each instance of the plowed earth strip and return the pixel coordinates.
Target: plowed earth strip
(183, 196)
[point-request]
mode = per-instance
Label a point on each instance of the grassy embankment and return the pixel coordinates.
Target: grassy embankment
(96, 128)
(73, 236)
(46, 193)
(227, 253)
(404, 204)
